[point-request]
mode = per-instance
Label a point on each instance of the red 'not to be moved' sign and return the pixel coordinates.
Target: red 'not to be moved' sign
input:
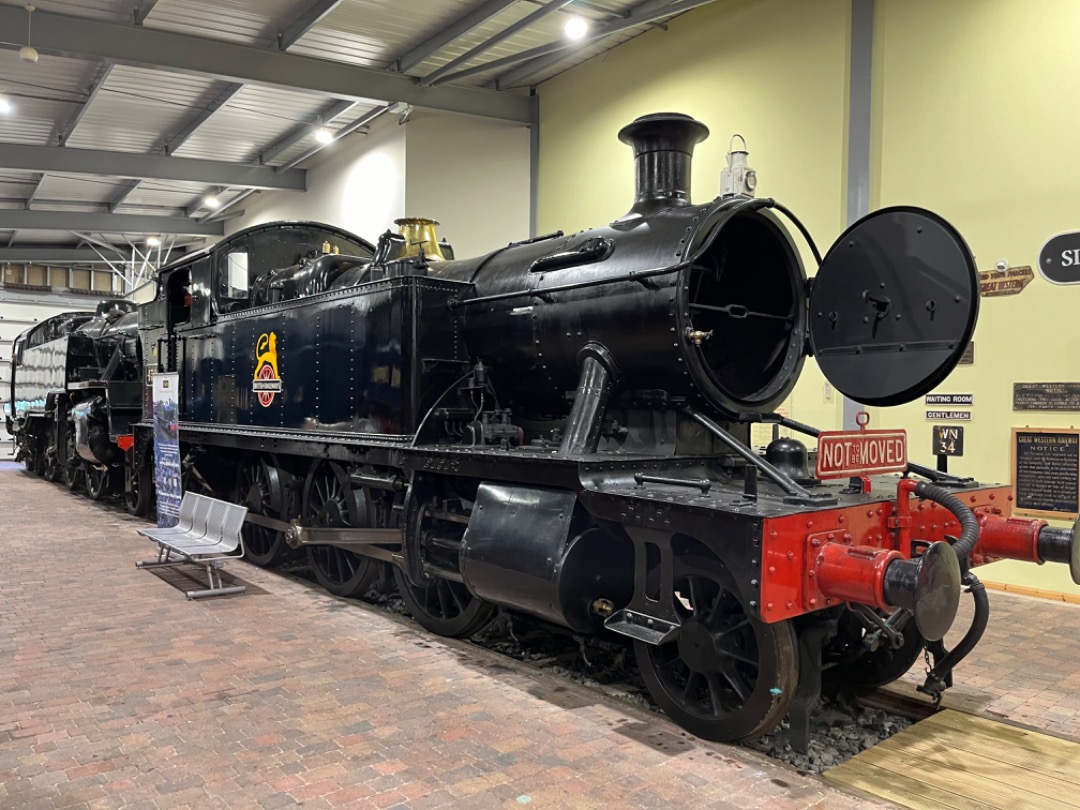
(850, 453)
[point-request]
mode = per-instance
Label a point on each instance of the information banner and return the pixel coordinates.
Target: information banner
(1046, 471)
(167, 448)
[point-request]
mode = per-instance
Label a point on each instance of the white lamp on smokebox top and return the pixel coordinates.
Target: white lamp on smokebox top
(576, 27)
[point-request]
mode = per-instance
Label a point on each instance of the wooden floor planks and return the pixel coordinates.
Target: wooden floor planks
(955, 761)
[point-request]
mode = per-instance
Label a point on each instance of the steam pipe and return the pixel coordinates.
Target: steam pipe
(590, 402)
(969, 524)
(778, 477)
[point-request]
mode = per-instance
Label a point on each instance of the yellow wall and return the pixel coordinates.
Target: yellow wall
(774, 71)
(977, 122)
(974, 117)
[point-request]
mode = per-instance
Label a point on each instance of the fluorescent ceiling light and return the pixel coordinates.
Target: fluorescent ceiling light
(5, 105)
(212, 201)
(323, 135)
(576, 28)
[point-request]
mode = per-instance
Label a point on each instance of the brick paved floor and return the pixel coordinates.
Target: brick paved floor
(116, 692)
(1026, 669)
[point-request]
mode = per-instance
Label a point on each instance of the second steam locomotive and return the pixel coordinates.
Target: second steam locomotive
(562, 428)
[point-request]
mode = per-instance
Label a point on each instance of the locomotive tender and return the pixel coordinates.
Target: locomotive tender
(561, 428)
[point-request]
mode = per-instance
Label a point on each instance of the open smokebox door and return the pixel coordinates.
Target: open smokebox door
(893, 306)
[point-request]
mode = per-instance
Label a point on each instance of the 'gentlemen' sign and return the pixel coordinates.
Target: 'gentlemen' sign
(1059, 259)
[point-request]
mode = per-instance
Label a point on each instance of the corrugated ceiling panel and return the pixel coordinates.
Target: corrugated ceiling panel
(374, 32)
(545, 31)
(77, 188)
(224, 199)
(12, 191)
(251, 22)
(43, 238)
(253, 119)
(308, 142)
(41, 95)
(121, 10)
(171, 195)
(137, 107)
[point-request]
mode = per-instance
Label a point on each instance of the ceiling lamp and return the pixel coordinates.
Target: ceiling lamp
(576, 28)
(212, 201)
(28, 53)
(323, 135)
(5, 105)
(152, 241)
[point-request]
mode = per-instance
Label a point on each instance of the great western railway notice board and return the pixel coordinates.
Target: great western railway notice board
(1046, 471)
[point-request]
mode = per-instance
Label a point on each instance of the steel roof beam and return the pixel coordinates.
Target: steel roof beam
(174, 142)
(533, 61)
(124, 193)
(436, 43)
(49, 254)
(68, 127)
(26, 157)
(297, 134)
(35, 190)
(143, 9)
(38, 220)
(83, 37)
(305, 22)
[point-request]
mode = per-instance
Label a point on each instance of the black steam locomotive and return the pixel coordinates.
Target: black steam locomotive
(562, 428)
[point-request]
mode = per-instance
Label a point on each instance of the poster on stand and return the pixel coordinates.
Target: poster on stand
(167, 448)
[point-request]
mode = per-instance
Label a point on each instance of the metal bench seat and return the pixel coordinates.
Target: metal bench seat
(194, 509)
(207, 536)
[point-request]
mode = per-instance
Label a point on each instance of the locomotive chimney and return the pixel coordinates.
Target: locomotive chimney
(663, 145)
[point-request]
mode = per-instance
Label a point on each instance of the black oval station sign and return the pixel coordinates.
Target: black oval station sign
(1059, 260)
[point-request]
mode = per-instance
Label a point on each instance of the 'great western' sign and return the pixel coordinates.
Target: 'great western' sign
(849, 453)
(1059, 259)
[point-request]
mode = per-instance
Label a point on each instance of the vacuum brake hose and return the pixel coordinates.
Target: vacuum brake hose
(969, 524)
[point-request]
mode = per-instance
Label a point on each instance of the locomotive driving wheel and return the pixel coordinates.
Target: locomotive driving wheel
(98, 482)
(51, 469)
(728, 676)
(73, 475)
(329, 502)
(140, 490)
(850, 664)
(73, 465)
(438, 604)
(259, 488)
(444, 607)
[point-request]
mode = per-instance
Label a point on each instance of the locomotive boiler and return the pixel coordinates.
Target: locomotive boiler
(561, 428)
